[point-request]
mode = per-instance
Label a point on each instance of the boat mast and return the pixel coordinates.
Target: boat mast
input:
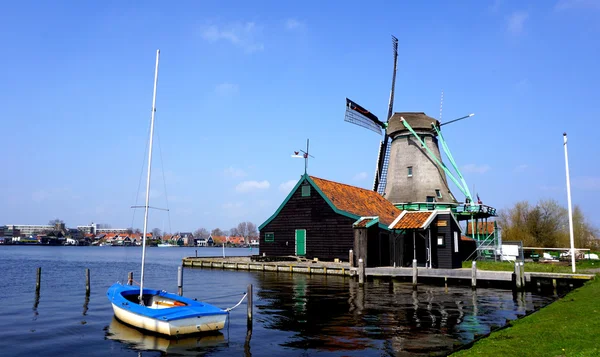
(148, 180)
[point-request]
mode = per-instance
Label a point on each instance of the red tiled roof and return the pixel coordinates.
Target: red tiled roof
(482, 227)
(219, 239)
(412, 220)
(358, 201)
(364, 222)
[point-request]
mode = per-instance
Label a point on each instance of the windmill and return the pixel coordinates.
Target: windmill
(409, 165)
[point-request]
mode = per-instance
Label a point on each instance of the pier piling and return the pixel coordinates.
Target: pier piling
(180, 280)
(414, 273)
(522, 272)
(518, 280)
(250, 305)
(130, 278)
(38, 280)
(87, 281)
(351, 257)
(474, 275)
(361, 272)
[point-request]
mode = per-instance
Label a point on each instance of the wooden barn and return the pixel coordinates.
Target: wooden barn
(319, 219)
(434, 238)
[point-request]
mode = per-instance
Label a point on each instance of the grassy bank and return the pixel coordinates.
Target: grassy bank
(559, 267)
(567, 327)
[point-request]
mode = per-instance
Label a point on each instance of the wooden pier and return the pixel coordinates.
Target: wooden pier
(464, 276)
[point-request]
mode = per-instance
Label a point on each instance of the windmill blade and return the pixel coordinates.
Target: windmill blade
(383, 160)
(455, 120)
(358, 115)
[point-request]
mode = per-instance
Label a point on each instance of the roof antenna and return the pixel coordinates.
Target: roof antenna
(441, 104)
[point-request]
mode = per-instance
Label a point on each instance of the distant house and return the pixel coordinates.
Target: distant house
(236, 241)
(202, 242)
(187, 238)
(218, 240)
(317, 220)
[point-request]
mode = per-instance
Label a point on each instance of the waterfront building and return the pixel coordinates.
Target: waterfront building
(30, 229)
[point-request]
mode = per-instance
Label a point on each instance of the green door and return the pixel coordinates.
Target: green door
(300, 241)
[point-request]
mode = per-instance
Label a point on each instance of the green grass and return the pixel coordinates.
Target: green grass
(567, 327)
(561, 267)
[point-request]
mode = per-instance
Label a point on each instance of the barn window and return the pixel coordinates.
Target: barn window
(409, 171)
(269, 237)
(440, 241)
(438, 193)
(306, 191)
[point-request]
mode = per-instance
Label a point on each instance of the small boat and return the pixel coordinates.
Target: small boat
(158, 311)
(136, 339)
(166, 245)
(164, 313)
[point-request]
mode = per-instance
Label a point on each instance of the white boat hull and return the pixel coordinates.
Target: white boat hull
(171, 328)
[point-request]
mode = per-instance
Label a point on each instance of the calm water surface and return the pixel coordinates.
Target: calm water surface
(294, 315)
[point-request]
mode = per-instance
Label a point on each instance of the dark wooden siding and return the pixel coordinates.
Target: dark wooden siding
(446, 258)
(328, 235)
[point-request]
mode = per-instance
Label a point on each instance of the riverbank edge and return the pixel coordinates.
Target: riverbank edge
(566, 327)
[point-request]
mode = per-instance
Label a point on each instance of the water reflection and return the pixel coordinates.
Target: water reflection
(36, 302)
(137, 340)
(337, 314)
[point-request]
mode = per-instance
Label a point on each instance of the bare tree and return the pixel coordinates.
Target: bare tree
(156, 232)
(137, 231)
(201, 233)
(234, 232)
(252, 230)
(54, 222)
(217, 232)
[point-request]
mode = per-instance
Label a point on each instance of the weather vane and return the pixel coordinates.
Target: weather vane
(304, 155)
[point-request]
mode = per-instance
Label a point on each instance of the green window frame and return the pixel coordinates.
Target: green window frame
(305, 190)
(269, 236)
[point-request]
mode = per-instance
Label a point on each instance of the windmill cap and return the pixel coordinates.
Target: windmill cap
(417, 120)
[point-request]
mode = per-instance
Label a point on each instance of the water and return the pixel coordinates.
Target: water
(294, 314)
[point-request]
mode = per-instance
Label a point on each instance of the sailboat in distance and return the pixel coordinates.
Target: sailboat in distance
(158, 311)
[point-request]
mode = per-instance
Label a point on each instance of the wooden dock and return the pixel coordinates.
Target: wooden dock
(464, 276)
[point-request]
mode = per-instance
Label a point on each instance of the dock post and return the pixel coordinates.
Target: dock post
(130, 278)
(351, 258)
(196, 254)
(38, 280)
(414, 274)
(446, 283)
(250, 304)
(180, 280)
(87, 281)
(522, 271)
(554, 286)
(361, 272)
(518, 276)
(474, 275)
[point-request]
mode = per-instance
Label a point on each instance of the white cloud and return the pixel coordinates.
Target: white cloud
(577, 4)
(248, 186)
(293, 24)
(227, 89)
(287, 186)
(234, 172)
(243, 35)
(521, 168)
(588, 183)
(516, 22)
(360, 176)
(476, 169)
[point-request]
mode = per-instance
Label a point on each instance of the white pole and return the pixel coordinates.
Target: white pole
(569, 203)
(148, 180)
(223, 250)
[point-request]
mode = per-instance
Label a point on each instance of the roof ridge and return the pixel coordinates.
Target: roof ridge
(344, 184)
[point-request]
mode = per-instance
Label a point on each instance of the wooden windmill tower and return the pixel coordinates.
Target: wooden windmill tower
(409, 165)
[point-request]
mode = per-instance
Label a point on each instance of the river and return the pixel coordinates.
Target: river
(294, 314)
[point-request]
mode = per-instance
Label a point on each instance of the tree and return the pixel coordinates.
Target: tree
(247, 229)
(129, 230)
(217, 232)
(201, 233)
(546, 225)
(156, 232)
(137, 231)
(234, 232)
(54, 222)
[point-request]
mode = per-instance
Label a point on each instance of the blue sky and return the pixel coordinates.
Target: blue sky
(244, 84)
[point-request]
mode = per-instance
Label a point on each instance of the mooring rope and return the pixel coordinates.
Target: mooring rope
(238, 304)
(220, 297)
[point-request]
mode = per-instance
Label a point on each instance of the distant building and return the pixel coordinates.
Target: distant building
(92, 228)
(112, 230)
(30, 229)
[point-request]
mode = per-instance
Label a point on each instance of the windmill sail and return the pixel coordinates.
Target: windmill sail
(384, 158)
(358, 115)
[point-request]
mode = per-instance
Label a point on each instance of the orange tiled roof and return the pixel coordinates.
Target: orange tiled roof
(357, 201)
(412, 220)
(237, 240)
(219, 239)
(364, 222)
(482, 227)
